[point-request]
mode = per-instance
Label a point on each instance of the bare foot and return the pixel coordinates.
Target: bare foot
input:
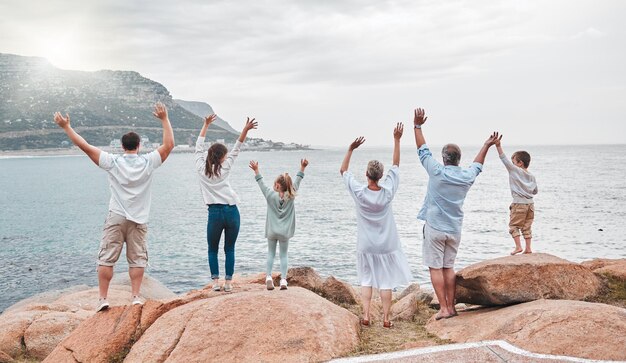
(516, 251)
(440, 315)
(528, 251)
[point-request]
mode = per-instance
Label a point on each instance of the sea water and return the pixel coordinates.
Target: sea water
(53, 209)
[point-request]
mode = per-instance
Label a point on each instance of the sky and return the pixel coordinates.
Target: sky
(324, 72)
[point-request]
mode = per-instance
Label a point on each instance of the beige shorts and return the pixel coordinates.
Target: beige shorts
(439, 248)
(117, 230)
(522, 216)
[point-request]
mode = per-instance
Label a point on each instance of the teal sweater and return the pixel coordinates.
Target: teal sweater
(280, 223)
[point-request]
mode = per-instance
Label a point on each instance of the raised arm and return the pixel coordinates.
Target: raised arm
(207, 121)
(397, 135)
(480, 158)
(498, 144)
(165, 149)
(91, 151)
(250, 124)
(346, 160)
(303, 164)
(419, 119)
(254, 165)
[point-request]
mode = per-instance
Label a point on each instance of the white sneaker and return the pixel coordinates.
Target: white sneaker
(216, 285)
(269, 283)
(228, 287)
(283, 284)
(137, 300)
(103, 304)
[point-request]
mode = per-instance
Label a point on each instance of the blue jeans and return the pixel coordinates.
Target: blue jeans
(222, 217)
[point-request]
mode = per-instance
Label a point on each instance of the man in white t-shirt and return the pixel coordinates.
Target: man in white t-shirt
(130, 178)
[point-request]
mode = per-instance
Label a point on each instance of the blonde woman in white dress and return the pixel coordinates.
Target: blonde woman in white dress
(381, 263)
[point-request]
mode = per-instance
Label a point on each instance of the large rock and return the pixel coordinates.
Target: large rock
(560, 327)
(305, 277)
(527, 277)
(605, 266)
(256, 326)
(411, 289)
(406, 308)
(338, 291)
(33, 327)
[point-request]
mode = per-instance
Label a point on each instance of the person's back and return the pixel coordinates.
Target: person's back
(130, 178)
(447, 188)
(523, 188)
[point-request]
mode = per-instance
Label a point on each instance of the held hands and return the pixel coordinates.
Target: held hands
(61, 121)
(209, 119)
(398, 130)
(254, 165)
(303, 164)
(357, 142)
(493, 139)
(250, 124)
(160, 111)
(419, 118)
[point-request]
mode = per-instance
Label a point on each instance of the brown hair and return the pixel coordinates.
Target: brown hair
(286, 185)
(522, 156)
(130, 141)
(213, 166)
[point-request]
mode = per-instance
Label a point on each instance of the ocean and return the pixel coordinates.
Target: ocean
(53, 209)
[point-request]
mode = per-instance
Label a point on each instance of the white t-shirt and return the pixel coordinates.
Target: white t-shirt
(130, 178)
(216, 190)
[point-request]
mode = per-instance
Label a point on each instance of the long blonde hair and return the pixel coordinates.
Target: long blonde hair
(286, 185)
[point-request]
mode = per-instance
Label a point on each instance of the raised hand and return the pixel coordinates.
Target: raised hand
(357, 142)
(63, 122)
(419, 118)
(254, 165)
(497, 143)
(303, 164)
(160, 111)
(491, 140)
(250, 124)
(398, 130)
(209, 119)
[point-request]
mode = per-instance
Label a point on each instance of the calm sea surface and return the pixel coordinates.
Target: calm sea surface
(53, 209)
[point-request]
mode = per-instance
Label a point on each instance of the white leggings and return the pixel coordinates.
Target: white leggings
(271, 253)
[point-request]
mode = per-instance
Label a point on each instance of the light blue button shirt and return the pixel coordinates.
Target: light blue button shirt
(447, 187)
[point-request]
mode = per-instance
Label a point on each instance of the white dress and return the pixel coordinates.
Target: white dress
(381, 263)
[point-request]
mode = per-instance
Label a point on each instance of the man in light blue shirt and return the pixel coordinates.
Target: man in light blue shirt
(442, 211)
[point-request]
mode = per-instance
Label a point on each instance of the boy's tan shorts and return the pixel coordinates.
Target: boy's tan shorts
(117, 230)
(522, 216)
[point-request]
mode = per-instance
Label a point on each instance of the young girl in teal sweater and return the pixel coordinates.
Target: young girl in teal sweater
(280, 223)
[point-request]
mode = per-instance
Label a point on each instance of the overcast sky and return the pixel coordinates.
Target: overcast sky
(323, 72)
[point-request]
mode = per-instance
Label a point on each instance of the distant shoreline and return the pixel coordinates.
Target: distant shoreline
(74, 151)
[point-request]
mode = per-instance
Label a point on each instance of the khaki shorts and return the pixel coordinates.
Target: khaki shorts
(117, 230)
(522, 216)
(439, 248)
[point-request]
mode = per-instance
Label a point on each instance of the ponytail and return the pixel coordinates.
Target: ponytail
(286, 185)
(213, 166)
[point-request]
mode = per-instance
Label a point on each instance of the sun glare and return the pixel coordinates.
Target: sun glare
(61, 50)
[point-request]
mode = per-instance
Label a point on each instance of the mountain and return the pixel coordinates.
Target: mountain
(203, 110)
(103, 105)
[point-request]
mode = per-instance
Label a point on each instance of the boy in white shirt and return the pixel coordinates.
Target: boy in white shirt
(130, 178)
(523, 188)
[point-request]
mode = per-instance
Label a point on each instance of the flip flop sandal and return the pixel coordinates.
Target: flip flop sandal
(388, 324)
(365, 322)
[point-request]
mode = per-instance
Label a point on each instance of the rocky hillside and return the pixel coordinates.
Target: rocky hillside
(203, 109)
(103, 105)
